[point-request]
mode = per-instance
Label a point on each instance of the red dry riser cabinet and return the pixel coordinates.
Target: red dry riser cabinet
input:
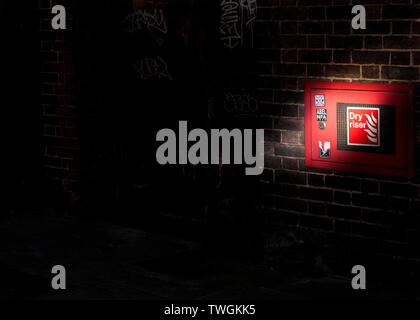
(360, 127)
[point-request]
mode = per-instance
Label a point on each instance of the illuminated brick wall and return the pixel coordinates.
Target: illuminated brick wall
(300, 40)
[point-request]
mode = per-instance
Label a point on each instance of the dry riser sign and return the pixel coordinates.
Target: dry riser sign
(363, 126)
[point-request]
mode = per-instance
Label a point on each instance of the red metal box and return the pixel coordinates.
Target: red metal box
(362, 127)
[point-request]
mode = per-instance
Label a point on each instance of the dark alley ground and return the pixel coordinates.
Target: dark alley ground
(106, 261)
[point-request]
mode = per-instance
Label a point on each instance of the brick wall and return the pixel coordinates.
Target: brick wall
(301, 40)
(59, 137)
(296, 41)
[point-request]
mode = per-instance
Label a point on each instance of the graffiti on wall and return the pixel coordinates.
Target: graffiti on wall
(154, 22)
(240, 103)
(152, 67)
(237, 20)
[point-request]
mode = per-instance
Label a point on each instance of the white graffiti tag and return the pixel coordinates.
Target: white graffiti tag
(152, 67)
(237, 19)
(229, 22)
(153, 22)
(240, 103)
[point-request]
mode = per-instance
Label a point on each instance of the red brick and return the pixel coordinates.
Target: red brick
(370, 72)
(400, 58)
(315, 56)
(400, 73)
(370, 57)
(342, 71)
